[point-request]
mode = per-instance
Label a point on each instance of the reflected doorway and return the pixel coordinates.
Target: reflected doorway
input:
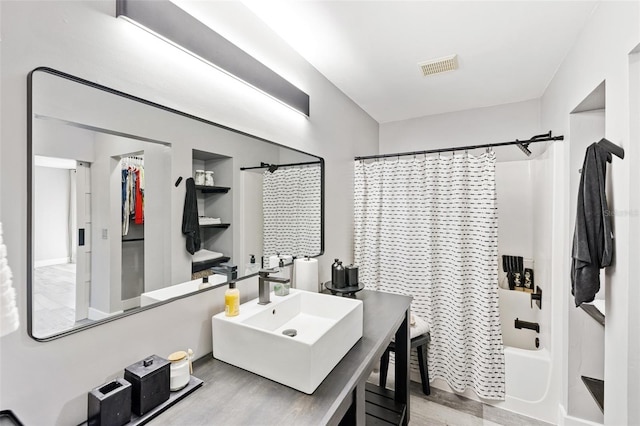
(61, 259)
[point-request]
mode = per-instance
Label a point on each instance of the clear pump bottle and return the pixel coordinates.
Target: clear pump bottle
(251, 267)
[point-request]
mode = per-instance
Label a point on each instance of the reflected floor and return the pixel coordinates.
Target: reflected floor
(54, 299)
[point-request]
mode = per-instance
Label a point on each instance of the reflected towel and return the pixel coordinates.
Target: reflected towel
(204, 220)
(205, 255)
(190, 226)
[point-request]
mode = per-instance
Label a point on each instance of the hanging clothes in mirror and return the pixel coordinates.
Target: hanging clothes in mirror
(132, 192)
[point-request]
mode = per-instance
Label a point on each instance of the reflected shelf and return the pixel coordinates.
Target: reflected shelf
(213, 189)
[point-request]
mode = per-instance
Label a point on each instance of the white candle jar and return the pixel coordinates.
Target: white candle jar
(199, 177)
(208, 178)
(180, 371)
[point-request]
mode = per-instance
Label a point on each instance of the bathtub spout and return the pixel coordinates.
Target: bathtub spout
(528, 325)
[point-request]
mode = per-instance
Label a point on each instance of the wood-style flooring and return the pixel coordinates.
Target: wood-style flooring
(446, 408)
(442, 408)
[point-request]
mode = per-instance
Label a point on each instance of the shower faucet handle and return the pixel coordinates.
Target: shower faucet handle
(537, 296)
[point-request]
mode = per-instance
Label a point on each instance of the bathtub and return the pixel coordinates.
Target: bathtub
(527, 367)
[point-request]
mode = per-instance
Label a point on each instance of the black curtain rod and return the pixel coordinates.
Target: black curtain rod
(266, 166)
(538, 138)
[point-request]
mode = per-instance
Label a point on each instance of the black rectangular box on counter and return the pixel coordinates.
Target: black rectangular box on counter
(149, 380)
(110, 404)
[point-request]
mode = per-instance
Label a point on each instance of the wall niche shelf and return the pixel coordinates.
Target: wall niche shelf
(214, 202)
(593, 312)
(596, 389)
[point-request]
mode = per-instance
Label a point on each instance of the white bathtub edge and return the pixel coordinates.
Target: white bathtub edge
(566, 420)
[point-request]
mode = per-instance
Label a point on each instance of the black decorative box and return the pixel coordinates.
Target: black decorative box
(149, 380)
(110, 404)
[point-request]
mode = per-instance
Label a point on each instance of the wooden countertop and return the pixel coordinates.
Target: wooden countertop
(232, 396)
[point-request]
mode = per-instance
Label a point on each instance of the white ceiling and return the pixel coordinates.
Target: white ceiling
(508, 51)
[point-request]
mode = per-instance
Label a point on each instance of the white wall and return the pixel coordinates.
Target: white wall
(47, 383)
(251, 219)
(601, 53)
(634, 229)
(515, 209)
(51, 215)
(500, 123)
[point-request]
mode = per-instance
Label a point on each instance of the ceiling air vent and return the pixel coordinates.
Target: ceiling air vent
(440, 65)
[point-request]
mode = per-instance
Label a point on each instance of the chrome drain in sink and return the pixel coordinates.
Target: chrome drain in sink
(291, 332)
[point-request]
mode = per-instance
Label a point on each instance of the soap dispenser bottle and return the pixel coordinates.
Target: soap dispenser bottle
(341, 276)
(252, 266)
(283, 271)
(204, 283)
(333, 271)
(232, 300)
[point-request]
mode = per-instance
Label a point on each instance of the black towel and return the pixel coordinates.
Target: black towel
(190, 225)
(514, 267)
(512, 263)
(592, 240)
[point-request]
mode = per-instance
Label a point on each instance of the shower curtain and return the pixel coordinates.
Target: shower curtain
(291, 211)
(427, 227)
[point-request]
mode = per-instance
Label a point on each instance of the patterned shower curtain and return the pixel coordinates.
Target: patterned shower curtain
(427, 227)
(291, 211)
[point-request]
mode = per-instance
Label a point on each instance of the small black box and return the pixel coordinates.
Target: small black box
(150, 381)
(110, 404)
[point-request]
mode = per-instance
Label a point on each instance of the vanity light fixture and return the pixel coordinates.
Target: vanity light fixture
(172, 24)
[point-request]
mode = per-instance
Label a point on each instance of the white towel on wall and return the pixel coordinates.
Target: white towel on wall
(9, 320)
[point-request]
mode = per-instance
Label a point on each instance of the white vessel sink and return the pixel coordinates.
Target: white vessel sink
(326, 328)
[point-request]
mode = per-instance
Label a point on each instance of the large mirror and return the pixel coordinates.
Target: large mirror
(115, 186)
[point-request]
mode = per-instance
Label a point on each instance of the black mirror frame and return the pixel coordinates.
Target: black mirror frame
(29, 180)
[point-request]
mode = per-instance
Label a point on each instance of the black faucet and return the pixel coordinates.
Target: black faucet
(263, 284)
(537, 297)
(519, 324)
(228, 270)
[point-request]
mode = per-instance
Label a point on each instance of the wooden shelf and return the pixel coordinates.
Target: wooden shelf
(213, 189)
(216, 225)
(596, 389)
(593, 312)
(381, 407)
